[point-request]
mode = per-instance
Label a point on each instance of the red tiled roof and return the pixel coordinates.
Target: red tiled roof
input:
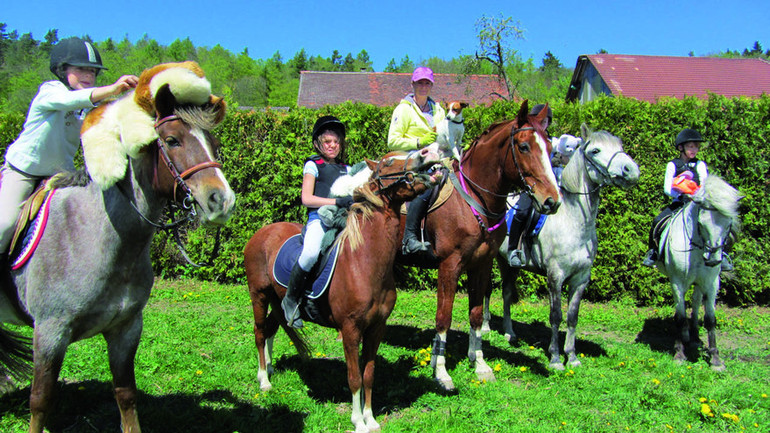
(651, 77)
(317, 89)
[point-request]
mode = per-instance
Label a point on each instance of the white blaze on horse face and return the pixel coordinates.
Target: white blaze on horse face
(201, 137)
(545, 160)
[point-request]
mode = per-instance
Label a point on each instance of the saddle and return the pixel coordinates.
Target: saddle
(24, 223)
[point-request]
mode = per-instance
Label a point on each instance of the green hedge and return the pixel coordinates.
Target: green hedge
(263, 154)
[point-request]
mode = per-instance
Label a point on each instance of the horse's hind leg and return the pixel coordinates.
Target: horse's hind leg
(478, 283)
(121, 349)
(265, 328)
(48, 361)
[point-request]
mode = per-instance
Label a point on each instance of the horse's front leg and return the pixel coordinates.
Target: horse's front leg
(351, 339)
(555, 318)
(710, 323)
(478, 282)
(49, 348)
(371, 344)
(576, 295)
(121, 350)
(680, 322)
(448, 274)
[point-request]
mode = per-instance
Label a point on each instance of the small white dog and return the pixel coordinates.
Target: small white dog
(450, 130)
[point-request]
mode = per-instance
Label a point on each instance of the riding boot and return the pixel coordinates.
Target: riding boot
(411, 244)
(516, 256)
(294, 292)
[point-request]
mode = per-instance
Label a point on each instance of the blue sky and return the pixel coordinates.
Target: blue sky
(391, 29)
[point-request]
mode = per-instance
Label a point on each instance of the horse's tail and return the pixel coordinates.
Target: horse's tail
(15, 354)
(297, 337)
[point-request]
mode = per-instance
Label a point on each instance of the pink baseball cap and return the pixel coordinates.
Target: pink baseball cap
(422, 73)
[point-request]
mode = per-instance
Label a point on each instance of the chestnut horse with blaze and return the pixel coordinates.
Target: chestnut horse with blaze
(362, 291)
(468, 228)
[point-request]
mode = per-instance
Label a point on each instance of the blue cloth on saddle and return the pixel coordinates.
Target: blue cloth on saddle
(538, 224)
(287, 258)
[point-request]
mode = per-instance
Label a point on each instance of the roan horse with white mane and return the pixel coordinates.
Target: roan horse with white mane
(566, 247)
(91, 273)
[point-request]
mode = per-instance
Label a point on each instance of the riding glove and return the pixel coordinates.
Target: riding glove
(344, 202)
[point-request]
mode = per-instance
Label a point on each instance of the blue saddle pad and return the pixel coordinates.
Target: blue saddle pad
(287, 258)
(538, 224)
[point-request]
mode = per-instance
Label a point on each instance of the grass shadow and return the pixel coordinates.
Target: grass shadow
(327, 381)
(89, 406)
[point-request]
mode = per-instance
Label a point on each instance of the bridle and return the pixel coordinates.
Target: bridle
(187, 203)
(476, 207)
(696, 235)
(179, 178)
(604, 171)
(404, 176)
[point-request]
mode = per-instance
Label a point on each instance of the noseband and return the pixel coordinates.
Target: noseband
(179, 178)
(604, 171)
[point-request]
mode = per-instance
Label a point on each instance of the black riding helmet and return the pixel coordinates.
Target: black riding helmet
(328, 123)
(538, 108)
(688, 135)
(74, 52)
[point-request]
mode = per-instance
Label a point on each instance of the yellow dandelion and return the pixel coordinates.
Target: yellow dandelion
(531, 347)
(731, 416)
(705, 410)
(702, 399)
(198, 372)
(656, 381)
(522, 369)
(764, 395)
(564, 423)
(669, 427)
(622, 364)
(498, 368)
(689, 426)
(423, 363)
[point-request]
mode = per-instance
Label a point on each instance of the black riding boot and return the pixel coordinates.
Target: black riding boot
(516, 257)
(414, 214)
(290, 302)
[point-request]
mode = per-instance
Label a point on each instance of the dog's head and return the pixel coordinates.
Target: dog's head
(454, 109)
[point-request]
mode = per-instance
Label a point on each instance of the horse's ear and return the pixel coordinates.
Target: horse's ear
(220, 107)
(522, 117)
(164, 102)
(371, 164)
(585, 131)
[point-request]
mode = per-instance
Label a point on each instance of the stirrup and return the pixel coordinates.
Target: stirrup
(516, 259)
(412, 245)
(291, 313)
(650, 258)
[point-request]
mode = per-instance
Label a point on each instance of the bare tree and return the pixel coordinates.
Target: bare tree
(495, 37)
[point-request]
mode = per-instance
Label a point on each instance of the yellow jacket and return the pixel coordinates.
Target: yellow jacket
(409, 123)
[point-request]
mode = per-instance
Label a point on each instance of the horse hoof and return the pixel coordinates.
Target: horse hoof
(486, 376)
(575, 363)
(265, 388)
(718, 367)
(556, 366)
(447, 385)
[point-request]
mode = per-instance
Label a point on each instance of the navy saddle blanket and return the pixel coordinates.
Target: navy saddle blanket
(287, 258)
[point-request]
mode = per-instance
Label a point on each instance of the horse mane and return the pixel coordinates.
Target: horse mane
(204, 117)
(572, 178)
(720, 195)
(68, 179)
(365, 208)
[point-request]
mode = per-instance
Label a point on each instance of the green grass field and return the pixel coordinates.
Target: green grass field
(196, 371)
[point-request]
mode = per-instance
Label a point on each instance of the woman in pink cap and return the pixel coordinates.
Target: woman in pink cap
(412, 127)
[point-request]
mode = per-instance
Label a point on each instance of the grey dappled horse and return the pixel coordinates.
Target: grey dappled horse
(91, 273)
(565, 249)
(691, 254)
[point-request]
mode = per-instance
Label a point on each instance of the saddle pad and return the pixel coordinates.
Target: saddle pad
(33, 234)
(538, 226)
(287, 258)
